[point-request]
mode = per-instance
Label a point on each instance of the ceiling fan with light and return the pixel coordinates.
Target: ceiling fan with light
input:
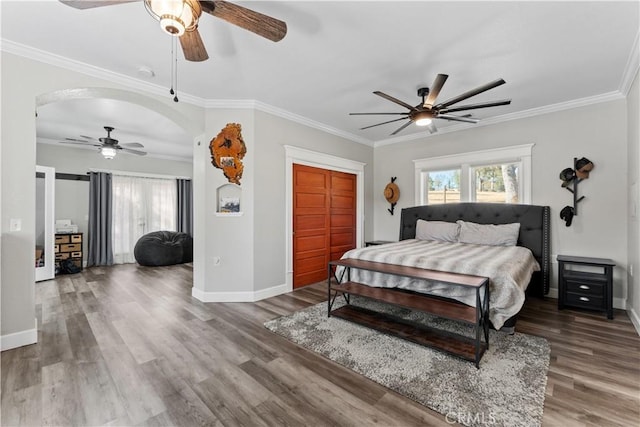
(424, 113)
(108, 146)
(180, 18)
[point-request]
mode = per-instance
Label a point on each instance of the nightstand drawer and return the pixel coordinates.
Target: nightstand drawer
(586, 288)
(585, 301)
(76, 238)
(585, 282)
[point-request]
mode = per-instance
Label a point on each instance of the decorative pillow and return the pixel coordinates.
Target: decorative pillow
(489, 234)
(437, 230)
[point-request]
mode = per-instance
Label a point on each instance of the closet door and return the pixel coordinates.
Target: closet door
(324, 209)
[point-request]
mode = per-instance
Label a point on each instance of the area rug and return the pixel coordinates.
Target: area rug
(507, 390)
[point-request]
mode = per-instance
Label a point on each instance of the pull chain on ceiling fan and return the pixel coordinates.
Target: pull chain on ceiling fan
(424, 113)
(180, 18)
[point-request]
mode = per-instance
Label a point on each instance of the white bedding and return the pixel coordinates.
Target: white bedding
(508, 268)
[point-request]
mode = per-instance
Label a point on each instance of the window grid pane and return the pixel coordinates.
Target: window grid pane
(498, 183)
(443, 186)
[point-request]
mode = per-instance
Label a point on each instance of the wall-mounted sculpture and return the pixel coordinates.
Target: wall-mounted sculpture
(227, 150)
(570, 178)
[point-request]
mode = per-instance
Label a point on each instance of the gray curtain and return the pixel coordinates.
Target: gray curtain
(100, 219)
(184, 219)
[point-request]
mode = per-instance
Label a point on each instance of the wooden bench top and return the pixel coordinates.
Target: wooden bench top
(415, 272)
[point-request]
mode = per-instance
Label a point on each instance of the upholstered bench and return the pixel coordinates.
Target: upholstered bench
(164, 248)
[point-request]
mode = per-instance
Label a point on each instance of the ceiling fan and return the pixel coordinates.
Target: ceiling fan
(424, 113)
(180, 18)
(108, 146)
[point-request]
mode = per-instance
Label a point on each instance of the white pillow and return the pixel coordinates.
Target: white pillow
(437, 230)
(489, 234)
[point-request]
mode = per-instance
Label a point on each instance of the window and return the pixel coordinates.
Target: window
(501, 175)
(497, 183)
(140, 205)
(443, 186)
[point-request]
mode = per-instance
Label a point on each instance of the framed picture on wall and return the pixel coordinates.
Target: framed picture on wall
(230, 204)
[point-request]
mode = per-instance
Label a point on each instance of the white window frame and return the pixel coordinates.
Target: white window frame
(466, 162)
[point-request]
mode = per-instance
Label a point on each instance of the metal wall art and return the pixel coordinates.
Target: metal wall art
(570, 178)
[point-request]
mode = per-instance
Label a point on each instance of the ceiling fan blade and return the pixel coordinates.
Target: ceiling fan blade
(402, 127)
(374, 114)
(132, 145)
(474, 106)
(193, 47)
(136, 152)
(457, 118)
(471, 93)
(432, 128)
(435, 90)
(88, 4)
(392, 99)
(262, 25)
(383, 123)
(78, 142)
(87, 137)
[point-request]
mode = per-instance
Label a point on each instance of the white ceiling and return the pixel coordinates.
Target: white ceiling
(335, 54)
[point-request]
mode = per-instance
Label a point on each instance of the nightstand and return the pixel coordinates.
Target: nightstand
(585, 282)
(377, 242)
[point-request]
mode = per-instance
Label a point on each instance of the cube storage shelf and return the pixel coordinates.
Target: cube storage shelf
(68, 246)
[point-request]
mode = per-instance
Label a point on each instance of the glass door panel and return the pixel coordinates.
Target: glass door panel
(45, 208)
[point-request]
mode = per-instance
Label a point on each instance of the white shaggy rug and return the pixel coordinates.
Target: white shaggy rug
(507, 390)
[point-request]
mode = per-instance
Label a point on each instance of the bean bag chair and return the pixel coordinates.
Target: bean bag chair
(163, 248)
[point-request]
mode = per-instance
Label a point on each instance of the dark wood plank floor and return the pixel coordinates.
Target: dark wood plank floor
(128, 345)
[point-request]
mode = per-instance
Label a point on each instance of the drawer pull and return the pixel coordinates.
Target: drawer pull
(585, 287)
(584, 299)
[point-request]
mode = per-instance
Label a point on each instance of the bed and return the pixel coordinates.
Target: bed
(513, 271)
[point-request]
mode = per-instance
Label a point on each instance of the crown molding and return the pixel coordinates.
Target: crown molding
(632, 67)
(532, 112)
(279, 112)
(49, 58)
(144, 86)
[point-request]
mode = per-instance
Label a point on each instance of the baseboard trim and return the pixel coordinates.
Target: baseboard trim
(19, 339)
(238, 296)
(635, 319)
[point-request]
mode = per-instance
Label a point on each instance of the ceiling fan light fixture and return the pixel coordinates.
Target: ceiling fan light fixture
(423, 118)
(108, 152)
(175, 16)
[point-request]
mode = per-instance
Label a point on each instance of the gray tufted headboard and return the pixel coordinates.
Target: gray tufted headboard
(534, 228)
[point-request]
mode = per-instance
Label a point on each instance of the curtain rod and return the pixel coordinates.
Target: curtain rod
(138, 174)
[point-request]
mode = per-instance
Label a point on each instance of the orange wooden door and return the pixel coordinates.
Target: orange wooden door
(324, 210)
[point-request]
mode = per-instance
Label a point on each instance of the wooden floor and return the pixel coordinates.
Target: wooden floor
(128, 345)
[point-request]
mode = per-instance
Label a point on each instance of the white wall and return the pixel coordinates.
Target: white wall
(72, 197)
(24, 82)
(272, 134)
(251, 248)
(633, 162)
(597, 132)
